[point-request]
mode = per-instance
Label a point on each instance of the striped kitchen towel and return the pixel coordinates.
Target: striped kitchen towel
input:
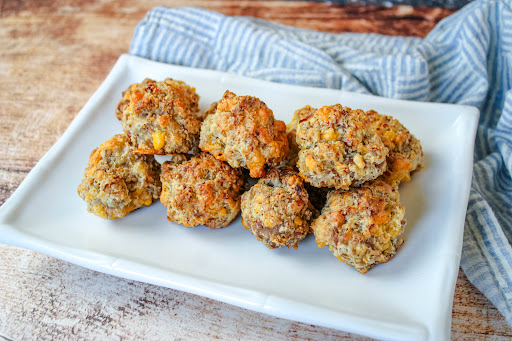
(466, 59)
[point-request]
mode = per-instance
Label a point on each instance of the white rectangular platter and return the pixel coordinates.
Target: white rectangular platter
(409, 298)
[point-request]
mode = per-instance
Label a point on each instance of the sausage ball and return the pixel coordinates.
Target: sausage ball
(363, 226)
(161, 117)
(244, 133)
(405, 152)
(118, 181)
(201, 191)
(339, 148)
(276, 209)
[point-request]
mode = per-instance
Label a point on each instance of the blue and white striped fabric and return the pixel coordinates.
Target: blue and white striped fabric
(466, 59)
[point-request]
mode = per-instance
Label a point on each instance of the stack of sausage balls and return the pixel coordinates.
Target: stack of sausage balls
(332, 171)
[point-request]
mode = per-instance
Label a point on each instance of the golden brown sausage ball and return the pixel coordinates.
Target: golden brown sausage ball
(201, 191)
(161, 117)
(276, 209)
(339, 149)
(244, 133)
(118, 181)
(363, 226)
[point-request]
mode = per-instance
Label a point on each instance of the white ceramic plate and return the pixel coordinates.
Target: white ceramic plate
(409, 298)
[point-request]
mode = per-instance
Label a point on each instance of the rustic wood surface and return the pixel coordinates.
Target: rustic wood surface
(53, 56)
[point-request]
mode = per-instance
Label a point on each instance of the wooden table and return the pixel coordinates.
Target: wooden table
(53, 56)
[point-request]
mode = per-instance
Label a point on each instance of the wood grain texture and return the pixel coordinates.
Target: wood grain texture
(54, 55)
